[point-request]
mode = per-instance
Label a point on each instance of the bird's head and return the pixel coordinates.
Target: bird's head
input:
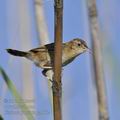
(78, 46)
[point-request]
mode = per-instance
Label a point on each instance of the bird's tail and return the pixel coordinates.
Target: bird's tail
(17, 53)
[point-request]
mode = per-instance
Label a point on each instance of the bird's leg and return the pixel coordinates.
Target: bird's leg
(48, 73)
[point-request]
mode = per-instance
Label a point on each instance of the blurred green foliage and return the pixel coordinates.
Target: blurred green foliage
(16, 95)
(1, 118)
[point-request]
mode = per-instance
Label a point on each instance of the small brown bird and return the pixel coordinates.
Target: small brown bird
(43, 56)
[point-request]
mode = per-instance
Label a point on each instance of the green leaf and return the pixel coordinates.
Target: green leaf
(1, 118)
(16, 95)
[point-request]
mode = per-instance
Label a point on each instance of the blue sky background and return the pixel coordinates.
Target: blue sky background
(18, 30)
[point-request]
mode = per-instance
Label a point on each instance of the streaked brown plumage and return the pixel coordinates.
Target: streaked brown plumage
(43, 56)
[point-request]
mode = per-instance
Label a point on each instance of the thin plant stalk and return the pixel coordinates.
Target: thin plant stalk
(97, 61)
(41, 22)
(57, 88)
(43, 36)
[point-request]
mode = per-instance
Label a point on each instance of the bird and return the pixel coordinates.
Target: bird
(43, 56)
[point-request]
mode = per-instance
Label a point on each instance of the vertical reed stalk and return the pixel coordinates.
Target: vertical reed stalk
(57, 88)
(97, 61)
(43, 36)
(41, 22)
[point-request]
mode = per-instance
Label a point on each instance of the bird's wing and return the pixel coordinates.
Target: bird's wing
(45, 48)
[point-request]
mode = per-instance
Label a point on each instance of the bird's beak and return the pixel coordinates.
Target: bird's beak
(86, 46)
(89, 50)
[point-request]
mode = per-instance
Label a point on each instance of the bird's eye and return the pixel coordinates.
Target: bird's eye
(79, 44)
